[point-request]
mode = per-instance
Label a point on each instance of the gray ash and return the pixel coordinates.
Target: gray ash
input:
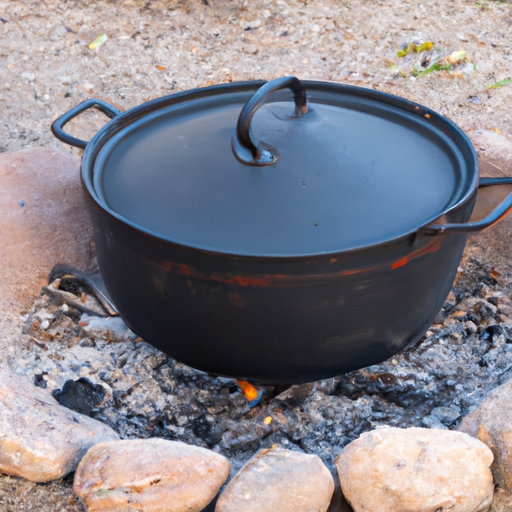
(148, 394)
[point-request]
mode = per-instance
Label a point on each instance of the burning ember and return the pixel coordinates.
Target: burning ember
(250, 392)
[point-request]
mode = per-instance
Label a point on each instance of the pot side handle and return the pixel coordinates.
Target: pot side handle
(58, 125)
(503, 209)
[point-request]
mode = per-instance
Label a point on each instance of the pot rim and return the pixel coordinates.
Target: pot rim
(450, 130)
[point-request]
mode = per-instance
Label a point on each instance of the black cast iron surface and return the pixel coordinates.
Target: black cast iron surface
(273, 321)
(336, 185)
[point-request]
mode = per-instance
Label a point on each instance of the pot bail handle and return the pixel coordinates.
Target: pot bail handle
(243, 146)
(58, 125)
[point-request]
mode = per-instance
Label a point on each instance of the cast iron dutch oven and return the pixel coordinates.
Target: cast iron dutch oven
(328, 247)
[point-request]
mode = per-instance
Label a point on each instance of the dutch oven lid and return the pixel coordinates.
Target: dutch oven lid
(346, 168)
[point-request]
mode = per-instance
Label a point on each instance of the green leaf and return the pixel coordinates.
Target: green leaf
(502, 83)
(435, 67)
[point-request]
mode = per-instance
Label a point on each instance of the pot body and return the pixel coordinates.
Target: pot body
(275, 320)
(279, 319)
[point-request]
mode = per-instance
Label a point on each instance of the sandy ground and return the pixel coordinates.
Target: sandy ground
(157, 47)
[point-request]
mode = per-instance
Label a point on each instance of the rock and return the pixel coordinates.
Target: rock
(416, 470)
(494, 160)
(39, 439)
(446, 415)
(491, 423)
(279, 480)
(149, 475)
(490, 144)
(43, 221)
(113, 328)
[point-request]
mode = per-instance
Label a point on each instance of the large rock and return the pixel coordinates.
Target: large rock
(43, 221)
(149, 475)
(39, 439)
(491, 423)
(494, 160)
(416, 470)
(279, 480)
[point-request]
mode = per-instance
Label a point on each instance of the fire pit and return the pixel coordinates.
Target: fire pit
(466, 353)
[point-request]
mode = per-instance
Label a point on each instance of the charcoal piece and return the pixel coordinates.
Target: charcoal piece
(80, 395)
(491, 331)
(39, 381)
(210, 434)
(87, 342)
(295, 395)
(386, 379)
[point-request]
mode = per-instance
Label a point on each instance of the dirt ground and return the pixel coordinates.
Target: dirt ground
(156, 47)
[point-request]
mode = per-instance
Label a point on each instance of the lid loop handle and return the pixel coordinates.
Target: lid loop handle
(244, 147)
